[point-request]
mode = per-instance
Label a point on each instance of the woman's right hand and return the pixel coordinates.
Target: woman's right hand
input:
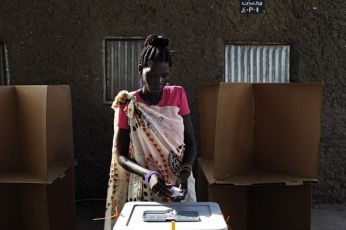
(158, 186)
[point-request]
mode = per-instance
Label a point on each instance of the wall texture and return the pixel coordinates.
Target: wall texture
(60, 42)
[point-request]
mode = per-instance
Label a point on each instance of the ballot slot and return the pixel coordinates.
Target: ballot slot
(170, 215)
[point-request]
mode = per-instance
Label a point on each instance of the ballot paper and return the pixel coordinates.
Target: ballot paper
(176, 192)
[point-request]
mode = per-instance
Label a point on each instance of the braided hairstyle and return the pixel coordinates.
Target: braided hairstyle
(155, 50)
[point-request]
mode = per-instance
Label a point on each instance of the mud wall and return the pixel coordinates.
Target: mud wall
(60, 42)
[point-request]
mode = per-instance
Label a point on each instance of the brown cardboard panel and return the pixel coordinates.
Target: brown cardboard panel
(253, 176)
(61, 200)
(34, 207)
(58, 169)
(287, 128)
(10, 207)
(208, 99)
(9, 158)
(234, 129)
(269, 206)
(55, 170)
(38, 206)
(59, 123)
(31, 110)
(279, 207)
(207, 166)
(20, 177)
(233, 203)
(232, 199)
(202, 185)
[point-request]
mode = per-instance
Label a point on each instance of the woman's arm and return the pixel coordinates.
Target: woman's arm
(123, 140)
(189, 155)
(190, 142)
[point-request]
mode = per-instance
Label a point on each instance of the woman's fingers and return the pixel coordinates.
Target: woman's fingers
(161, 189)
(169, 185)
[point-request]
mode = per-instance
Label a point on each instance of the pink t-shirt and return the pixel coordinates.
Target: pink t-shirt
(171, 96)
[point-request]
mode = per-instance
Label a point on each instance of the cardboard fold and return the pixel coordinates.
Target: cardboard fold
(59, 124)
(36, 158)
(258, 206)
(55, 170)
(234, 129)
(39, 206)
(251, 176)
(31, 120)
(9, 157)
(260, 152)
(36, 130)
(207, 118)
(264, 128)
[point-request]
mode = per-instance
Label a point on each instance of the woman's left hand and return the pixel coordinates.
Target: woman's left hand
(182, 181)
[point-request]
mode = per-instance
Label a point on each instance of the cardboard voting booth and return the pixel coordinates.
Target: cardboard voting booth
(36, 158)
(260, 145)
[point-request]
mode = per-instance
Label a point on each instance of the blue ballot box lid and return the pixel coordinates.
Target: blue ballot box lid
(171, 216)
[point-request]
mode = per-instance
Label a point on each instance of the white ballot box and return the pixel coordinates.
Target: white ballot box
(171, 216)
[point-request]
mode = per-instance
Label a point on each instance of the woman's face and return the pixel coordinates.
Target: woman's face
(155, 77)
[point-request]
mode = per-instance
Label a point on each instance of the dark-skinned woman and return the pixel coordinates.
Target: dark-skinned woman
(154, 146)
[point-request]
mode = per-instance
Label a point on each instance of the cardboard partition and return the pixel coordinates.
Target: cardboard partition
(39, 128)
(9, 158)
(234, 129)
(279, 207)
(266, 206)
(55, 170)
(251, 177)
(31, 109)
(38, 206)
(273, 128)
(10, 206)
(287, 128)
(207, 118)
(232, 200)
(59, 124)
(61, 200)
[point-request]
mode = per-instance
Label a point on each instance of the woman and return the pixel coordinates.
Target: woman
(153, 135)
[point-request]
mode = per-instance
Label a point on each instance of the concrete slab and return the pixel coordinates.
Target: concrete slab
(325, 217)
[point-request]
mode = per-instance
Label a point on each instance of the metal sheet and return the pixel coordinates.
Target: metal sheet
(121, 67)
(257, 63)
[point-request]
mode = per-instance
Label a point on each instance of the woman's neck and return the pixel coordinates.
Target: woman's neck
(150, 97)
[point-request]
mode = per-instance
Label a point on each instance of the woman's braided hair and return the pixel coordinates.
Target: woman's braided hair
(155, 50)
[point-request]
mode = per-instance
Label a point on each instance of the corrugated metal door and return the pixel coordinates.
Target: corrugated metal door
(257, 63)
(121, 65)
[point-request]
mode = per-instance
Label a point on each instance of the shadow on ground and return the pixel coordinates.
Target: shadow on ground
(88, 210)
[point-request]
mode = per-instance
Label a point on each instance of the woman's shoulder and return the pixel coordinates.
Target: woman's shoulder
(173, 94)
(174, 89)
(123, 97)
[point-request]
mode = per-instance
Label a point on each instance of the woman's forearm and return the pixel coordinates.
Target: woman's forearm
(123, 141)
(132, 166)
